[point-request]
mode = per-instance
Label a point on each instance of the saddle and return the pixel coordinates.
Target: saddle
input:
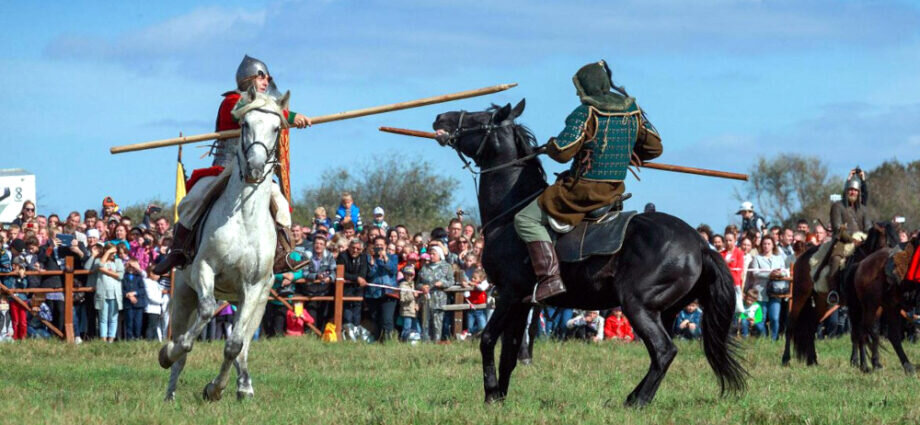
(601, 232)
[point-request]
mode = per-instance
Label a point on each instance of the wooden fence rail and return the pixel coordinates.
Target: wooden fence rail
(68, 289)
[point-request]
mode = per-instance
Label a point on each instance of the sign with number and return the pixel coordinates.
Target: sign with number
(16, 187)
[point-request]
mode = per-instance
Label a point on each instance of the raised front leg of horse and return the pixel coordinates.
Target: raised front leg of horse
(248, 317)
(203, 285)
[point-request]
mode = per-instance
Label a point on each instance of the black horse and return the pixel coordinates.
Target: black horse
(663, 264)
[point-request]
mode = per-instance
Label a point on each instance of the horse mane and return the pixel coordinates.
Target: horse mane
(523, 138)
(259, 101)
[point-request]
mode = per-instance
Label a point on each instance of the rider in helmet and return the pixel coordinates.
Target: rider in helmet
(851, 210)
(603, 134)
(251, 72)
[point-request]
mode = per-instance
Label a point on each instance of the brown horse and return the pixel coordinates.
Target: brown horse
(871, 296)
(809, 305)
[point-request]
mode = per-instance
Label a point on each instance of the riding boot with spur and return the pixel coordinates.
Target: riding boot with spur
(546, 267)
(180, 252)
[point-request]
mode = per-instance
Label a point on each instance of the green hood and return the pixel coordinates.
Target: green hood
(593, 83)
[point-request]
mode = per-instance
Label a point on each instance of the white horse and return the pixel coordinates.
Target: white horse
(234, 258)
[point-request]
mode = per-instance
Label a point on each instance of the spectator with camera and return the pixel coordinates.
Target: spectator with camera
(381, 302)
(319, 276)
(586, 326)
(108, 270)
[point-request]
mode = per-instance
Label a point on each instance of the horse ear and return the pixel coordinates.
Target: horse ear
(285, 100)
(503, 113)
(518, 109)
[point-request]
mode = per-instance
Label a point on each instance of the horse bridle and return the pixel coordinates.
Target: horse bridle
(452, 141)
(243, 152)
(454, 137)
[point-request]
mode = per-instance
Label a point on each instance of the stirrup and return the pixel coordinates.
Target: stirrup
(833, 298)
(560, 227)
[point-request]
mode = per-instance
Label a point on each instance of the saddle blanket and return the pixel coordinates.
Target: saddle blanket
(590, 238)
(199, 173)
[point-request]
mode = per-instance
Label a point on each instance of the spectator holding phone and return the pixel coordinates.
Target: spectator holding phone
(382, 270)
(318, 278)
(109, 270)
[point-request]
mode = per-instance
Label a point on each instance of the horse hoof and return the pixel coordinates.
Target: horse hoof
(211, 393)
(243, 395)
(165, 363)
(908, 368)
(865, 369)
(634, 402)
(170, 398)
(526, 362)
(494, 398)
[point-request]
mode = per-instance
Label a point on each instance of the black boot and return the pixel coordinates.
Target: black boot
(180, 252)
(546, 267)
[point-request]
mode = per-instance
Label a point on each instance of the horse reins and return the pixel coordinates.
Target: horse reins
(488, 128)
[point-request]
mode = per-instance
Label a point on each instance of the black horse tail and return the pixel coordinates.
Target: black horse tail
(716, 290)
(804, 330)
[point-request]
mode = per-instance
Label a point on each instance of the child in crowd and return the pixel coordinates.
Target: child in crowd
(296, 320)
(688, 320)
(617, 327)
(321, 222)
(408, 307)
(751, 320)
(348, 212)
(154, 330)
(476, 296)
(379, 221)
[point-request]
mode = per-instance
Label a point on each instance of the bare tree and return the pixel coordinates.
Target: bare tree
(790, 186)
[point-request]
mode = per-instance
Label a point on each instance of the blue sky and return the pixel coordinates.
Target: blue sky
(723, 81)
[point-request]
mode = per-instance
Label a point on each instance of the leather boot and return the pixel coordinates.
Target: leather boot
(180, 252)
(546, 267)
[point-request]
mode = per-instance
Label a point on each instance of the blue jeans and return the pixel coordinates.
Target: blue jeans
(108, 319)
(476, 321)
(774, 306)
(134, 323)
(746, 328)
(410, 324)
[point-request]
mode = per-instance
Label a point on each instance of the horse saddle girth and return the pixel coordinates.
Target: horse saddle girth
(588, 238)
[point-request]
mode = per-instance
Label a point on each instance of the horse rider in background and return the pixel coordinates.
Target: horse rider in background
(603, 134)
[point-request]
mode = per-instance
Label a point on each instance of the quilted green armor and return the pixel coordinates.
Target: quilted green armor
(606, 156)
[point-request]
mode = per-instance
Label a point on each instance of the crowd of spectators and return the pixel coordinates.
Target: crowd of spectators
(404, 279)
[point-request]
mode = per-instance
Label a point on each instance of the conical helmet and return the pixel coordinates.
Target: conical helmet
(251, 67)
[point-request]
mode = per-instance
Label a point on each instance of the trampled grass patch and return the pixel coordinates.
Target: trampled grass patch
(301, 380)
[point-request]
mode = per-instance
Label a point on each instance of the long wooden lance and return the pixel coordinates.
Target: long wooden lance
(652, 165)
(227, 134)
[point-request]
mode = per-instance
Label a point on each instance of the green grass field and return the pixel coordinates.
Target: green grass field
(305, 381)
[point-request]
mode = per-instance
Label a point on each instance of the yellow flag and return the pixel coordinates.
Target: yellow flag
(180, 185)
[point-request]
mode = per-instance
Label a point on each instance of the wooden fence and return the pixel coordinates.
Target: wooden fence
(68, 289)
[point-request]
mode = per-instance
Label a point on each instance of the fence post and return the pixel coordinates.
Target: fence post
(339, 293)
(458, 315)
(68, 300)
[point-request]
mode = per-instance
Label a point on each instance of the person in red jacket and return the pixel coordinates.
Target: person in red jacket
(617, 327)
(734, 258)
(205, 184)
